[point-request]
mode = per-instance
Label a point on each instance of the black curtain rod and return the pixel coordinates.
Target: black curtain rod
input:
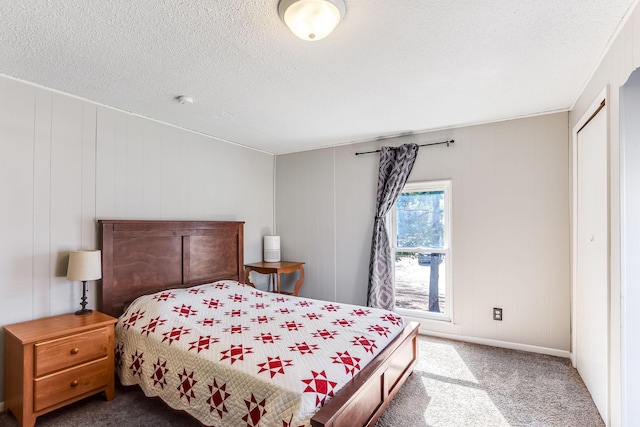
(421, 145)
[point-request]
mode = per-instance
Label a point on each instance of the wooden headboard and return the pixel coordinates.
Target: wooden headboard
(143, 257)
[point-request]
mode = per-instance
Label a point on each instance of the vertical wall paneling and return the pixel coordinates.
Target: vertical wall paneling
(120, 165)
(41, 203)
(88, 178)
(253, 197)
(286, 225)
(322, 232)
(147, 170)
(137, 167)
(105, 151)
(532, 205)
(356, 180)
(65, 162)
(559, 295)
(306, 223)
(483, 220)
(218, 169)
(16, 191)
(171, 201)
(66, 197)
(461, 254)
(542, 294)
(152, 180)
(197, 182)
(505, 196)
(511, 190)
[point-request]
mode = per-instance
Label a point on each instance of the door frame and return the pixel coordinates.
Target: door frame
(593, 109)
(628, 207)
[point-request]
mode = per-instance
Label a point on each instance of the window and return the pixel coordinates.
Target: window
(421, 249)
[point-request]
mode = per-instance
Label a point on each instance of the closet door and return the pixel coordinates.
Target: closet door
(591, 291)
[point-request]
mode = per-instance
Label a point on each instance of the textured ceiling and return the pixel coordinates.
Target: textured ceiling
(391, 67)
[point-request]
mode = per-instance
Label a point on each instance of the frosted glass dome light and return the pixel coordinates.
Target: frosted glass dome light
(311, 20)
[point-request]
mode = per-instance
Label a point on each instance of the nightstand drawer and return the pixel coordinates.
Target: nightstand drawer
(58, 387)
(51, 356)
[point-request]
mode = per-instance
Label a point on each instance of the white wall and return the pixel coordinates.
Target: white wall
(510, 224)
(66, 162)
(620, 61)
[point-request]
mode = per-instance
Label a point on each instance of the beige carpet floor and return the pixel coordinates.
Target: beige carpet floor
(462, 384)
(454, 384)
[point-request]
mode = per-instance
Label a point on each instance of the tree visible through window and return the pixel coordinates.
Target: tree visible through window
(421, 246)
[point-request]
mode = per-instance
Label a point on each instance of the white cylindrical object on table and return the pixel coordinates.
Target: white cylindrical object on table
(271, 248)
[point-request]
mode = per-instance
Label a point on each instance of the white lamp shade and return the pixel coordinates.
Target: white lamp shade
(311, 20)
(84, 265)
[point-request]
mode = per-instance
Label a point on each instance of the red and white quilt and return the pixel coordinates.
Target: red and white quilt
(231, 355)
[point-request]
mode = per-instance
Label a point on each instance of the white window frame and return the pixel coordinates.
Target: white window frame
(445, 186)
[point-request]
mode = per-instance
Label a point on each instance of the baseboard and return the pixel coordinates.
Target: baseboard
(502, 344)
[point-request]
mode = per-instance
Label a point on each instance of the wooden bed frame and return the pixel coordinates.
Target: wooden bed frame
(143, 257)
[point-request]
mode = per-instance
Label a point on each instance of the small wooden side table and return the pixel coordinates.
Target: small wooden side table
(277, 268)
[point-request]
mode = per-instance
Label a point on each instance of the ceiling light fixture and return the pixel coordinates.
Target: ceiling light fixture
(311, 20)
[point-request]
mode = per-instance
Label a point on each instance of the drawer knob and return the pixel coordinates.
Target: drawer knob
(75, 350)
(74, 383)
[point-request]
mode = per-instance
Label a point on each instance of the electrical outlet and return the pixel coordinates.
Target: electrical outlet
(497, 314)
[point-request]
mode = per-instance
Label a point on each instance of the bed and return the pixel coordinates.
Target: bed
(190, 257)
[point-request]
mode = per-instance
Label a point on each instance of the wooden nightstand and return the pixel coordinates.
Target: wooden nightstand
(277, 268)
(57, 360)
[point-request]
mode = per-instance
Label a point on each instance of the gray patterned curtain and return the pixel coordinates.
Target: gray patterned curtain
(395, 167)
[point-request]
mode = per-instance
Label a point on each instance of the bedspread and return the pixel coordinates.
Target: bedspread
(232, 355)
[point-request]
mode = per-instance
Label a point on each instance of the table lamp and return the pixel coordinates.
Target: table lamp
(83, 266)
